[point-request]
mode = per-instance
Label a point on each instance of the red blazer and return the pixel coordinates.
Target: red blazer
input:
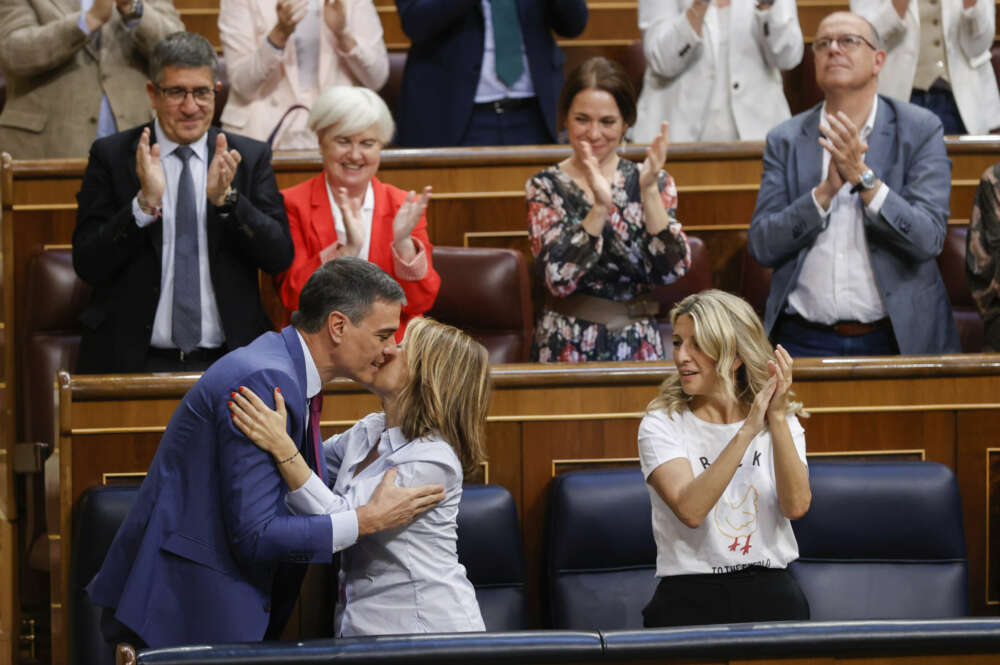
(310, 221)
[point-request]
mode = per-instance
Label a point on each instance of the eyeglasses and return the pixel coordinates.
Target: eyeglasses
(847, 43)
(176, 95)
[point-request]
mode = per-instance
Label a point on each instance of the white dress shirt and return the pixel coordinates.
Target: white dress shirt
(403, 580)
(367, 214)
(836, 282)
(211, 323)
(490, 87)
(344, 518)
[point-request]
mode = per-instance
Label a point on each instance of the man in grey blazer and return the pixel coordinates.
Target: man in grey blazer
(76, 71)
(852, 212)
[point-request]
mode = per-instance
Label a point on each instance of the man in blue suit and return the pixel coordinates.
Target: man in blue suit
(852, 212)
(483, 72)
(209, 552)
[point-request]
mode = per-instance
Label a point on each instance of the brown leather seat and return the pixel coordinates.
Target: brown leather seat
(698, 278)
(393, 85)
(633, 60)
(487, 293)
(56, 296)
(968, 320)
(755, 283)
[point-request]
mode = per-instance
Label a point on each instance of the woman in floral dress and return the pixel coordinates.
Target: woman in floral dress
(603, 230)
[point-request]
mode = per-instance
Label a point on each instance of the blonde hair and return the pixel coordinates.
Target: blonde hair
(727, 330)
(347, 110)
(448, 388)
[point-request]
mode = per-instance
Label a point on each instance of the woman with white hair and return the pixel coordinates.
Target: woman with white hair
(347, 211)
(724, 458)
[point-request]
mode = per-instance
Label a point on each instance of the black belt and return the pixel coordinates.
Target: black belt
(198, 355)
(507, 105)
(843, 328)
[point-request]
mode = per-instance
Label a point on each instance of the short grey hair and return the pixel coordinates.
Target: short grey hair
(182, 49)
(348, 110)
(348, 285)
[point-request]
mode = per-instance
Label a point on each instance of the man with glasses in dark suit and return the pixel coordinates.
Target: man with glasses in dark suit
(174, 221)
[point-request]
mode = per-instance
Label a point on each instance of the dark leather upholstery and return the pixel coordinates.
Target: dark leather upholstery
(969, 322)
(534, 646)
(698, 278)
(223, 94)
(489, 546)
(755, 283)
(96, 517)
(601, 559)
(390, 91)
(883, 540)
(633, 61)
(487, 293)
(56, 296)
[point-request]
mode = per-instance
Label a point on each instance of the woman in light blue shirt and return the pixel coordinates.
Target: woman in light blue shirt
(435, 394)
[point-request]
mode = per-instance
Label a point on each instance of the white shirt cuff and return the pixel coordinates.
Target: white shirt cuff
(819, 208)
(345, 529)
(142, 220)
(875, 207)
(310, 499)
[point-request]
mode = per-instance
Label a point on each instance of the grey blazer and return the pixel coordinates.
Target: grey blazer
(906, 151)
(56, 75)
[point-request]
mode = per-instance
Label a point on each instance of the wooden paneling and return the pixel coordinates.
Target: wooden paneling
(550, 419)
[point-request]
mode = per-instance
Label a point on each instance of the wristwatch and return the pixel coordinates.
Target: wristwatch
(867, 181)
(134, 12)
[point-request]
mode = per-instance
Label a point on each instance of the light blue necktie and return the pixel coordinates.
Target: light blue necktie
(186, 320)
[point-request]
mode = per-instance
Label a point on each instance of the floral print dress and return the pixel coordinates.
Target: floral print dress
(622, 263)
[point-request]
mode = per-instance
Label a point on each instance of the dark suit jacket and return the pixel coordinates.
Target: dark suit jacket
(122, 261)
(446, 54)
(196, 557)
(906, 151)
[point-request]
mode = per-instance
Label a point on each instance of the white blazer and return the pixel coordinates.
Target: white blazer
(681, 66)
(968, 36)
(264, 82)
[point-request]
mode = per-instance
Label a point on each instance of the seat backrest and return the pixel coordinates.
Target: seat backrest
(600, 555)
(390, 91)
(56, 296)
(952, 264)
(755, 283)
(633, 61)
(489, 546)
(96, 518)
(697, 278)
(487, 293)
(882, 540)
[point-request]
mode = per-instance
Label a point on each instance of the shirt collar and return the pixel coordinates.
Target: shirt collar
(375, 428)
(313, 383)
(367, 204)
(167, 147)
(869, 125)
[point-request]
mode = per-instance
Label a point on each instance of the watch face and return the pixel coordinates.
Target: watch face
(868, 179)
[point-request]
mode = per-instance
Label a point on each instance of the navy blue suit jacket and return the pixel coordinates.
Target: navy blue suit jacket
(196, 557)
(906, 151)
(446, 54)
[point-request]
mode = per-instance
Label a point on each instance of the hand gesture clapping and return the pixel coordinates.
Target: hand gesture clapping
(599, 185)
(656, 157)
(843, 140)
(290, 12)
(350, 212)
(781, 371)
(149, 169)
(221, 171)
(406, 220)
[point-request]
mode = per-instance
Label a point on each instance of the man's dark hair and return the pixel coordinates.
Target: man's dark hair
(348, 285)
(182, 49)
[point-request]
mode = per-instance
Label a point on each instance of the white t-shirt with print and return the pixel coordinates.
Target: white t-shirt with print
(745, 527)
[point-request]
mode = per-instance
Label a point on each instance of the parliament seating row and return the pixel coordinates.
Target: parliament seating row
(489, 546)
(864, 546)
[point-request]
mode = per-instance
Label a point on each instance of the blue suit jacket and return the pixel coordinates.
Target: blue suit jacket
(446, 54)
(906, 151)
(195, 559)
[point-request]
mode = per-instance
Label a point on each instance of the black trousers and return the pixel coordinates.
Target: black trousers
(752, 594)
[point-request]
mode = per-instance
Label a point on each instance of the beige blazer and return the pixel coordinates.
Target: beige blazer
(264, 82)
(56, 75)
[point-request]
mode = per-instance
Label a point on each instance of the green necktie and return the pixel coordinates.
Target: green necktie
(507, 41)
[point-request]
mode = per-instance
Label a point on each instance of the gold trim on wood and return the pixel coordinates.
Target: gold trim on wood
(86, 431)
(55, 606)
(55, 536)
(986, 585)
(49, 248)
(563, 416)
(902, 408)
(121, 475)
(34, 207)
(854, 453)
